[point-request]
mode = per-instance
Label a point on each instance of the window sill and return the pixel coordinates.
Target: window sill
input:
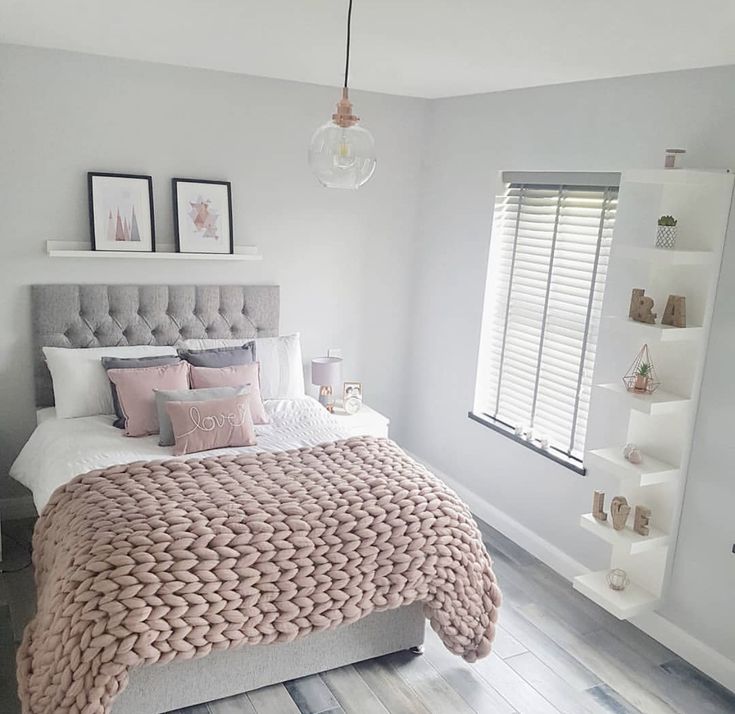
(554, 456)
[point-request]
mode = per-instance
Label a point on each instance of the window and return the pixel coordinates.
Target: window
(546, 278)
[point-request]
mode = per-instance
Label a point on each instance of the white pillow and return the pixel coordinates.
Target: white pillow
(281, 365)
(81, 387)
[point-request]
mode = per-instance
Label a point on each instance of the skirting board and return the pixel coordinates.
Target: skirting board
(697, 653)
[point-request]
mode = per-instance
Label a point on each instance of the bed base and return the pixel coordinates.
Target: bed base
(161, 688)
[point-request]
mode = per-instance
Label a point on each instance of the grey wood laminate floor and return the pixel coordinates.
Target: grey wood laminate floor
(556, 652)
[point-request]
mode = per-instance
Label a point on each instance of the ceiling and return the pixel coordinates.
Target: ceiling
(422, 48)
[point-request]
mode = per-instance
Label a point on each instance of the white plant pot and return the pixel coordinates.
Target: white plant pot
(666, 237)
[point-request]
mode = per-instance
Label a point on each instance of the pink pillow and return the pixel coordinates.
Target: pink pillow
(137, 398)
(213, 424)
(237, 376)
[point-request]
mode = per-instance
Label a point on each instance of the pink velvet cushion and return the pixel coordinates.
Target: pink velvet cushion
(214, 424)
(137, 398)
(236, 376)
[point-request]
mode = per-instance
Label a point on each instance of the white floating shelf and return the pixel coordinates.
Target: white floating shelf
(660, 402)
(665, 256)
(627, 540)
(73, 249)
(622, 603)
(703, 177)
(648, 473)
(659, 333)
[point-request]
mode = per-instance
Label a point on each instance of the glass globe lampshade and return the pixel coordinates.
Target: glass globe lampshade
(341, 153)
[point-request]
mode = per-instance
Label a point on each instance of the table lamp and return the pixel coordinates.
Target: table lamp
(326, 372)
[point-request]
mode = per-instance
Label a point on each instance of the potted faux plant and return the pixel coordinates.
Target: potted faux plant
(666, 233)
(642, 377)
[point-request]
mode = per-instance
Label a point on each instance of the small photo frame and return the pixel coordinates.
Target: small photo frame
(121, 212)
(203, 216)
(351, 389)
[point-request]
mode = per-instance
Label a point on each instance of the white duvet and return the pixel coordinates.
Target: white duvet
(60, 449)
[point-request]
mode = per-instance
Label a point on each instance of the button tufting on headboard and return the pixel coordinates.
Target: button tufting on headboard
(111, 315)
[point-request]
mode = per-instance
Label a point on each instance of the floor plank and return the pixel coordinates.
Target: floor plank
(239, 704)
(558, 591)
(273, 700)
(392, 691)
(674, 682)
(352, 692)
(639, 641)
(611, 671)
(521, 695)
(430, 687)
(550, 685)
(548, 651)
(698, 688)
(312, 695)
(474, 689)
(505, 645)
(610, 701)
(559, 602)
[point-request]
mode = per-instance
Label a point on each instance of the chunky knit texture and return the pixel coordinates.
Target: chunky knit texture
(160, 561)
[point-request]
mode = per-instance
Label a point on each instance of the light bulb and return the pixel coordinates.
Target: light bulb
(345, 156)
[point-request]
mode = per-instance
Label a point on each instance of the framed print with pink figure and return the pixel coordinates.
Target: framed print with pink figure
(121, 212)
(203, 216)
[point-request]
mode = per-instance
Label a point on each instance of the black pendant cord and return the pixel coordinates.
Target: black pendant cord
(347, 55)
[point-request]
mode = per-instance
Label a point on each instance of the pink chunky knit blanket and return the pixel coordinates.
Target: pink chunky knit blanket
(153, 562)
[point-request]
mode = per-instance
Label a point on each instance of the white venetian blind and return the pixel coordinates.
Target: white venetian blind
(546, 279)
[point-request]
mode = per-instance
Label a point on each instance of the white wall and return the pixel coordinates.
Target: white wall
(339, 257)
(606, 125)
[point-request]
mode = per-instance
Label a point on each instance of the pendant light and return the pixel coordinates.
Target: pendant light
(341, 153)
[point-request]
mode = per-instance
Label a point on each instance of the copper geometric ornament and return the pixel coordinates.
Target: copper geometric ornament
(641, 375)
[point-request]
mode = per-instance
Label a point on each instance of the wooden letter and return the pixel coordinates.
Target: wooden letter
(598, 505)
(642, 520)
(641, 307)
(675, 313)
(619, 511)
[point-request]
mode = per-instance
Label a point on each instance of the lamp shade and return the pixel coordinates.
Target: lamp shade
(342, 156)
(326, 371)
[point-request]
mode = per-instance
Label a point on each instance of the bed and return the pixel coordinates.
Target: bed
(93, 316)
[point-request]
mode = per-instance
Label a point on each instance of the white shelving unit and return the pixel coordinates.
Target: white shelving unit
(75, 249)
(661, 424)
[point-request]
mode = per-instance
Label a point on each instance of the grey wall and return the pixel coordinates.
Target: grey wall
(606, 125)
(340, 257)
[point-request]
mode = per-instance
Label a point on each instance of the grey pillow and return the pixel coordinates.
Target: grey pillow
(220, 356)
(132, 363)
(166, 430)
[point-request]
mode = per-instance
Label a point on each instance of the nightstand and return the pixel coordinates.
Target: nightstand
(366, 421)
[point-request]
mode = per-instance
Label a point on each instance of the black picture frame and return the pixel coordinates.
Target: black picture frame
(97, 244)
(177, 228)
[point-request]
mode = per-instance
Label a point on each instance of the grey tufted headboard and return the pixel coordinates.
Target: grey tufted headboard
(106, 315)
